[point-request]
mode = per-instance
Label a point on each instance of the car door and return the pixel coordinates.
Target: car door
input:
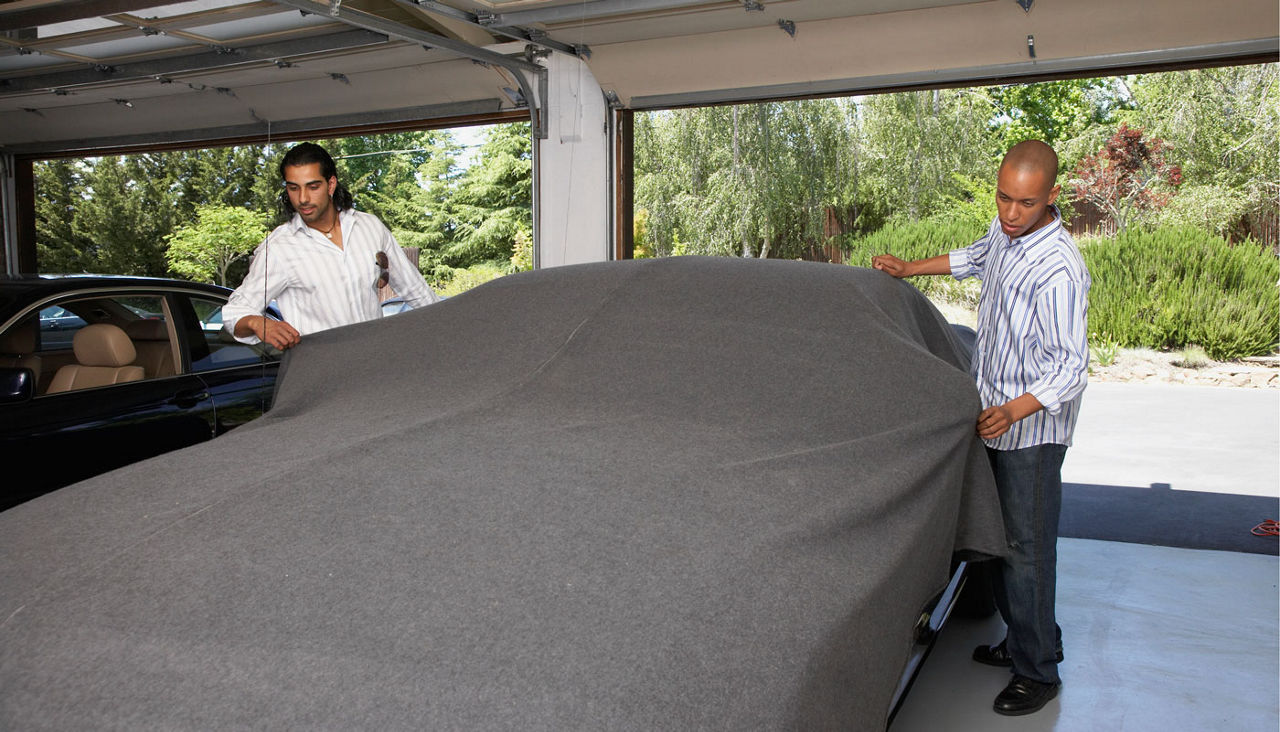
(68, 436)
(239, 378)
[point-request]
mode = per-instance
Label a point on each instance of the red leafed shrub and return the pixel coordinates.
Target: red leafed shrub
(1129, 178)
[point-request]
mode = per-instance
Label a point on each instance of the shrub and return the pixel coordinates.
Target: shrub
(1103, 348)
(1171, 287)
(1193, 357)
(459, 281)
(920, 240)
(1214, 208)
(1164, 289)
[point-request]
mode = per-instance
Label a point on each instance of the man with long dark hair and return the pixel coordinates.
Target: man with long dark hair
(324, 267)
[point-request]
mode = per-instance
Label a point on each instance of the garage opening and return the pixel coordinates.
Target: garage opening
(1169, 182)
(457, 199)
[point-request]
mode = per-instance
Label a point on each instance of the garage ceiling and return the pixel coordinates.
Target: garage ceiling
(88, 74)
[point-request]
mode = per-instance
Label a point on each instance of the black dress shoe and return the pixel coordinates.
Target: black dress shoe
(998, 655)
(1024, 696)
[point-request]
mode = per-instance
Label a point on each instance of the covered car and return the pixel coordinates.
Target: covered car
(671, 494)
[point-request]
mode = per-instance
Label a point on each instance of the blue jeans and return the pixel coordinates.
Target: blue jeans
(1029, 481)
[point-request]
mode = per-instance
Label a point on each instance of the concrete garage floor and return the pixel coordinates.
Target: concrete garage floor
(1156, 638)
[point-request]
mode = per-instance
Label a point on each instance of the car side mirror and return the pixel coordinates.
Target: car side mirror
(16, 385)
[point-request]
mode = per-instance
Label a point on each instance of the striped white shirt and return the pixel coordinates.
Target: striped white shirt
(1032, 328)
(319, 286)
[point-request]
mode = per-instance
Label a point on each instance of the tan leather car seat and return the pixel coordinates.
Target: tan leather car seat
(18, 347)
(151, 340)
(104, 356)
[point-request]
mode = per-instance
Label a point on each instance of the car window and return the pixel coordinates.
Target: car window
(220, 350)
(60, 322)
(58, 327)
(141, 318)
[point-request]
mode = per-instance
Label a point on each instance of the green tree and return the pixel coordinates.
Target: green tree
(1223, 128)
(127, 212)
(381, 172)
(59, 245)
(1056, 111)
(221, 236)
(493, 200)
(229, 176)
(406, 180)
(915, 141)
(752, 180)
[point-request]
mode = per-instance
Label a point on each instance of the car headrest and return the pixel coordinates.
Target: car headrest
(20, 339)
(103, 344)
(147, 330)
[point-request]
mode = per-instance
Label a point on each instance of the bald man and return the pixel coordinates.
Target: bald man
(1031, 363)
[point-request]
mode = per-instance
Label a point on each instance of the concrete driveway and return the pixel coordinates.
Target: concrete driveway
(1200, 438)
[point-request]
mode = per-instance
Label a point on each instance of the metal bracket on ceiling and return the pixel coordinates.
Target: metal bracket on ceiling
(750, 5)
(491, 22)
(532, 53)
(789, 26)
(1025, 4)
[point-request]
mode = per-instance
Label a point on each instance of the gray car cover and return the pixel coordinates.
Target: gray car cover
(671, 494)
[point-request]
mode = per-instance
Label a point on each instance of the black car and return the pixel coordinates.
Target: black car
(97, 372)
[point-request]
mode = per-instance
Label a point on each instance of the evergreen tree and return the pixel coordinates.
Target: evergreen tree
(126, 215)
(493, 201)
(59, 246)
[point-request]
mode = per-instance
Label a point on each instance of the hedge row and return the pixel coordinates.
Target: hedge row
(917, 240)
(1175, 287)
(1164, 289)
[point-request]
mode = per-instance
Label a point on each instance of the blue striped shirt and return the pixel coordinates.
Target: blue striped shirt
(1032, 328)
